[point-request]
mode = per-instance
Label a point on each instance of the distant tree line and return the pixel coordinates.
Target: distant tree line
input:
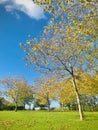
(16, 93)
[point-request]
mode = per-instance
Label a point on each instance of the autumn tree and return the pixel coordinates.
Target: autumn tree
(88, 89)
(60, 53)
(26, 94)
(17, 90)
(65, 92)
(67, 45)
(89, 86)
(45, 91)
(58, 7)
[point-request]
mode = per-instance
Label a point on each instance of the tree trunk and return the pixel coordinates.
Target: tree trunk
(16, 106)
(48, 104)
(48, 101)
(49, 107)
(78, 98)
(62, 106)
(24, 106)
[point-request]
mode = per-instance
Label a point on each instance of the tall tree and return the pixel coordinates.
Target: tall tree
(65, 47)
(60, 53)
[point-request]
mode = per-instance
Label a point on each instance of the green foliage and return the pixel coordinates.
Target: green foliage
(2, 103)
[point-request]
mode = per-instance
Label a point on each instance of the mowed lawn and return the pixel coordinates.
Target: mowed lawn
(39, 120)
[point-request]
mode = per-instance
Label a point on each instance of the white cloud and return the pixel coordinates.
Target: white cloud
(25, 6)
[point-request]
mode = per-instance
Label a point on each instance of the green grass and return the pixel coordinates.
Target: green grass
(39, 120)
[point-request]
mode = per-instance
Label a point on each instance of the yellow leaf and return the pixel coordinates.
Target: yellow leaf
(28, 42)
(34, 48)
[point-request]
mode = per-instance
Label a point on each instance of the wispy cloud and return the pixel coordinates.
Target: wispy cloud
(25, 6)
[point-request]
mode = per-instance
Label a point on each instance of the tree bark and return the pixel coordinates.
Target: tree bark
(62, 106)
(48, 101)
(78, 99)
(16, 106)
(49, 107)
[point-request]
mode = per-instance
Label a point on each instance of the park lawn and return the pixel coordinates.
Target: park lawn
(40, 120)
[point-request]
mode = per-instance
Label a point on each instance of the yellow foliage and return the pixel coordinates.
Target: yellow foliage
(88, 85)
(65, 91)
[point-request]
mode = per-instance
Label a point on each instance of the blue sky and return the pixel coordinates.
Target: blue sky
(18, 19)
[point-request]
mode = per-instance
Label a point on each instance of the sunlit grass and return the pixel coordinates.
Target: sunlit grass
(30, 120)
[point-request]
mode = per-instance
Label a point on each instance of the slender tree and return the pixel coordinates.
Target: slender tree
(67, 46)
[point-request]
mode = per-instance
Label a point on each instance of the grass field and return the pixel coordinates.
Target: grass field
(29, 120)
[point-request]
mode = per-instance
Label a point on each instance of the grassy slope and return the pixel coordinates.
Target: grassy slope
(28, 120)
